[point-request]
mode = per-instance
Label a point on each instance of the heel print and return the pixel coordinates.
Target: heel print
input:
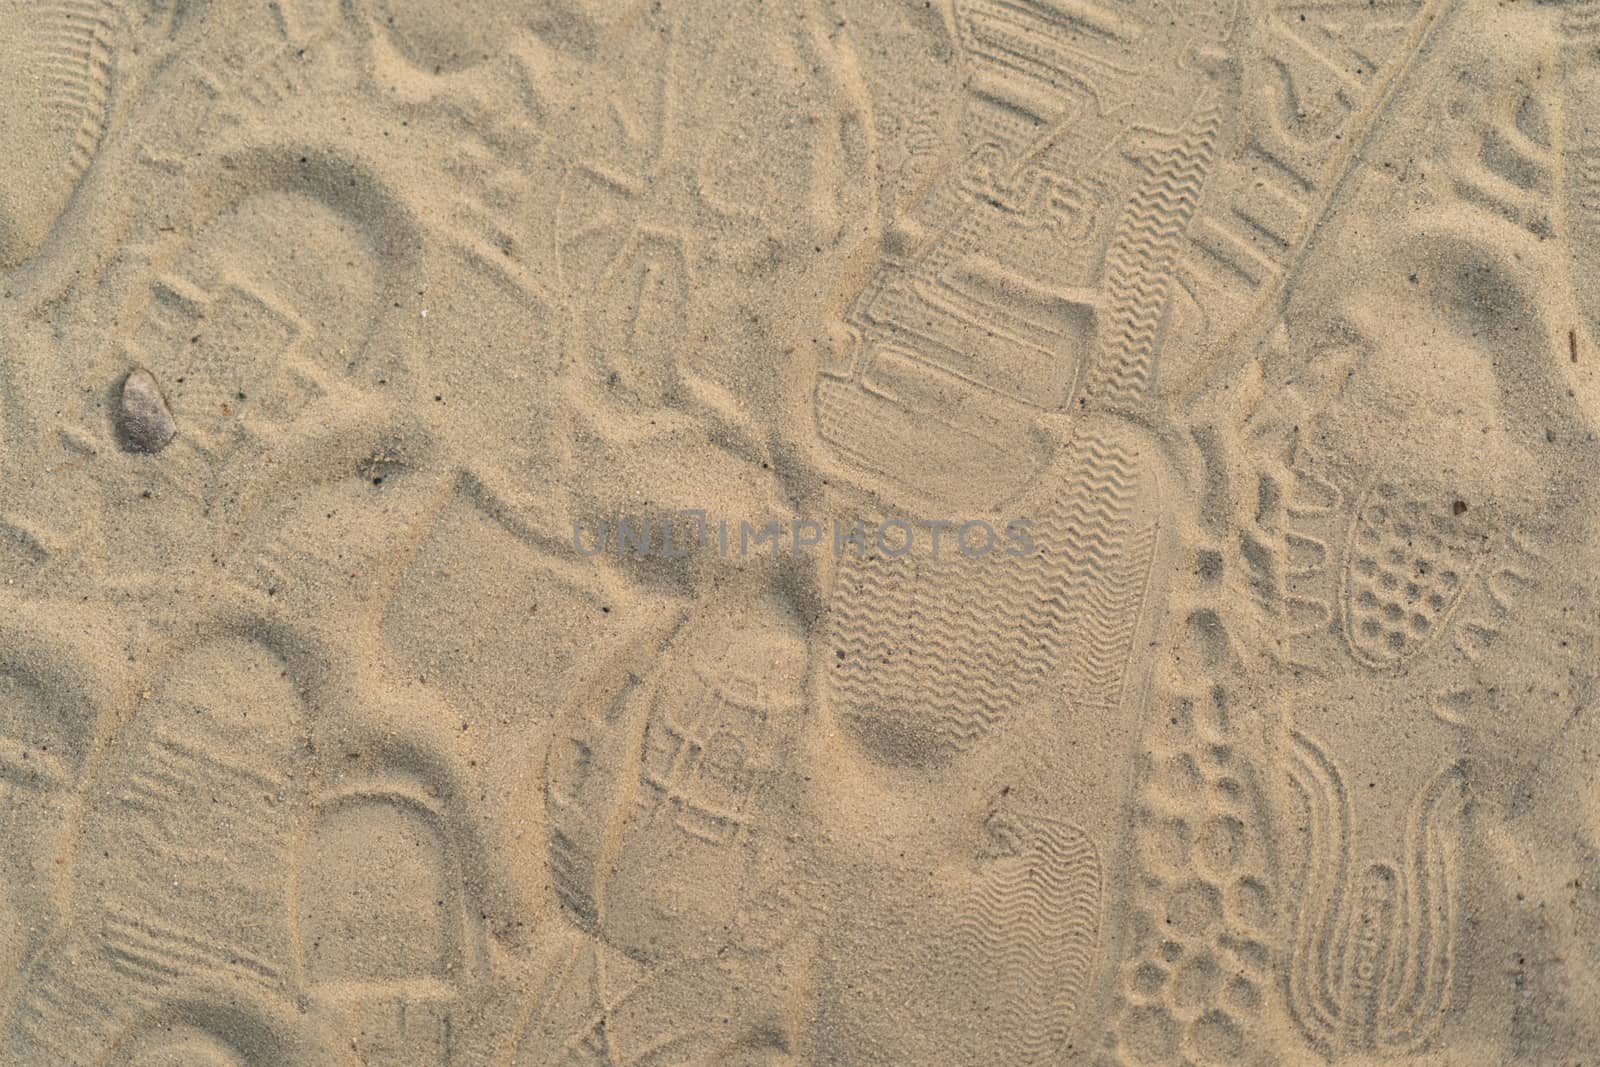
(1374, 954)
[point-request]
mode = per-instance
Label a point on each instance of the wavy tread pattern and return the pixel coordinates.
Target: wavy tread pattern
(960, 641)
(1139, 265)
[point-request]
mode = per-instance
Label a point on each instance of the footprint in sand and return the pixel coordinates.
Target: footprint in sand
(186, 827)
(1419, 524)
(58, 61)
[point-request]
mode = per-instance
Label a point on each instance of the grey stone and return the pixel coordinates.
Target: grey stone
(143, 418)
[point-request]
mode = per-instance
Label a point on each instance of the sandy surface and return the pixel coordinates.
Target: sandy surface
(723, 532)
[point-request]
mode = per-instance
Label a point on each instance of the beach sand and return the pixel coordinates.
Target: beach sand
(799, 532)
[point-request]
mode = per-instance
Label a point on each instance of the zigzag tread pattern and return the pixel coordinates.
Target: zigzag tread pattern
(965, 639)
(1139, 262)
(1111, 616)
(1035, 928)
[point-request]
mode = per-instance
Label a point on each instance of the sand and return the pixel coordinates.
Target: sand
(805, 532)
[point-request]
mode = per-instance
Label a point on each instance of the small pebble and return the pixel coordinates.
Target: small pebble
(143, 418)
